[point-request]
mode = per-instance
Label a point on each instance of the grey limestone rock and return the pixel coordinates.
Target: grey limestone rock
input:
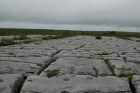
(125, 67)
(76, 84)
(136, 83)
(78, 66)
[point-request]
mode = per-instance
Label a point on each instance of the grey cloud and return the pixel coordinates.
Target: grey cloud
(110, 13)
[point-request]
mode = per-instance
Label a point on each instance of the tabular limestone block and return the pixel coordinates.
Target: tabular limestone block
(7, 67)
(125, 67)
(136, 83)
(76, 84)
(34, 60)
(10, 83)
(78, 66)
(133, 59)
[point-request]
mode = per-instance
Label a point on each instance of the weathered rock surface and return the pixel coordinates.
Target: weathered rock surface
(124, 67)
(7, 67)
(79, 66)
(10, 83)
(136, 83)
(76, 84)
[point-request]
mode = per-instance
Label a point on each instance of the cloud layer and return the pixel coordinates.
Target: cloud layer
(71, 14)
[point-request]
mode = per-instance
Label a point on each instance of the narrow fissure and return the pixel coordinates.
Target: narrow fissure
(46, 65)
(133, 89)
(18, 85)
(80, 46)
(111, 68)
(136, 49)
(49, 61)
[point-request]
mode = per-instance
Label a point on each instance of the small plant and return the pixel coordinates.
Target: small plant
(104, 53)
(11, 53)
(129, 69)
(37, 43)
(111, 68)
(124, 59)
(28, 41)
(98, 37)
(128, 75)
(123, 53)
(138, 40)
(39, 65)
(96, 72)
(52, 73)
(97, 49)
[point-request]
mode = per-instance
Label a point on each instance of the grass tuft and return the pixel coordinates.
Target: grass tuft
(98, 37)
(52, 74)
(11, 53)
(128, 75)
(6, 42)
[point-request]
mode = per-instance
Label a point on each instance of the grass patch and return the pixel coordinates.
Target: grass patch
(54, 37)
(28, 41)
(98, 37)
(128, 75)
(6, 42)
(125, 38)
(39, 65)
(52, 74)
(11, 53)
(104, 53)
(138, 40)
(111, 68)
(97, 49)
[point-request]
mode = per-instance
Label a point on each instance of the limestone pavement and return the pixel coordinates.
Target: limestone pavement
(79, 64)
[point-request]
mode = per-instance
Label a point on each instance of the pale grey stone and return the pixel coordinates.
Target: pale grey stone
(78, 66)
(124, 67)
(7, 67)
(76, 84)
(136, 83)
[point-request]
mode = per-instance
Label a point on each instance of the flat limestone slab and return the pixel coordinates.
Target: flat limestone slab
(76, 84)
(79, 66)
(125, 67)
(7, 67)
(10, 83)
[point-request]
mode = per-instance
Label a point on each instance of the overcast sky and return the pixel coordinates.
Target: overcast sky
(117, 15)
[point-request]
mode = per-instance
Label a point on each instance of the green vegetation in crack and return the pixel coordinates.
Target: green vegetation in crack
(138, 40)
(124, 59)
(97, 49)
(96, 72)
(11, 53)
(103, 53)
(125, 38)
(111, 68)
(52, 74)
(128, 75)
(39, 65)
(98, 37)
(6, 42)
